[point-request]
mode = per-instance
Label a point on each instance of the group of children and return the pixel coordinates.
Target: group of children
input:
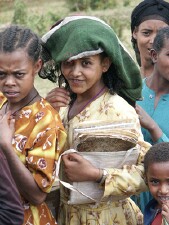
(95, 74)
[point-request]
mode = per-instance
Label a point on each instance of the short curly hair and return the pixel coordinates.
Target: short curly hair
(157, 153)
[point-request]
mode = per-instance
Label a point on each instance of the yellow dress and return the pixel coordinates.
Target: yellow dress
(120, 182)
(39, 137)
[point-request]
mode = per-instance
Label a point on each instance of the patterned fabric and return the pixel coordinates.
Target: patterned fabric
(123, 182)
(39, 137)
(80, 36)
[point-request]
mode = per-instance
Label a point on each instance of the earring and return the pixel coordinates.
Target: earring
(105, 69)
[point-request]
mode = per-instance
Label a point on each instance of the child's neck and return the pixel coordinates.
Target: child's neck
(16, 107)
(81, 103)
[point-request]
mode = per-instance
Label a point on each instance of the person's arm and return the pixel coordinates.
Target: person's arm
(35, 177)
(22, 176)
(11, 209)
(148, 123)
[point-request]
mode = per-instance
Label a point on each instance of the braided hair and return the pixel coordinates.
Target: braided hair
(15, 37)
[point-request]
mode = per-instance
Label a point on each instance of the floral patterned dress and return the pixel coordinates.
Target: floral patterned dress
(119, 182)
(39, 137)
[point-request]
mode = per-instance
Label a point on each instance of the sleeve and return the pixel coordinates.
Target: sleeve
(130, 179)
(163, 138)
(44, 144)
(11, 210)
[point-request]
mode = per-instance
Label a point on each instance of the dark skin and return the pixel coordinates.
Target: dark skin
(85, 79)
(17, 73)
(159, 82)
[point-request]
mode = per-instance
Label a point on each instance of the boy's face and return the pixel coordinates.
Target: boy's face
(158, 181)
(161, 61)
(17, 72)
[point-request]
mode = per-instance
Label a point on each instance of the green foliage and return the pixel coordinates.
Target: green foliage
(83, 5)
(78, 5)
(41, 16)
(126, 3)
(20, 13)
(37, 22)
(42, 23)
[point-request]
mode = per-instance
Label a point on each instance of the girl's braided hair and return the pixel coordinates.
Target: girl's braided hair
(15, 37)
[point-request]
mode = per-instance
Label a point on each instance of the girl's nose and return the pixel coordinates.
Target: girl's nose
(10, 80)
(76, 69)
(152, 38)
(164, 189)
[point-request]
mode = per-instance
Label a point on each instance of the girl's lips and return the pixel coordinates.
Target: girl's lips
(75, 82)
(163, 198)
(11, 94)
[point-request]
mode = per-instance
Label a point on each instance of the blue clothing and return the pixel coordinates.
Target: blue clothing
(142, 199)
(160, 115)
(150, 212)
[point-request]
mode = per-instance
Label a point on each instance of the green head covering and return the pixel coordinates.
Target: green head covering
(79, 36)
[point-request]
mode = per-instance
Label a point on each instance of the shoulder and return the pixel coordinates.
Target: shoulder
(2, 99)
(117, 108)
(45, 108)
(119, 103)
(150, 211)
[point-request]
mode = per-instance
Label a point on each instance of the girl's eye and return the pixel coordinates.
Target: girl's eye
(19, 75)
(86, 63)
(154, 182)
(67, 63)
(146, 33)
(2, 75)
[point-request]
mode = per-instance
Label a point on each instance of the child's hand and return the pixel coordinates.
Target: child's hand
(145, 120)
(7, 125)
(79, 169)
(165, 211)
(58, 97)
(148, 123)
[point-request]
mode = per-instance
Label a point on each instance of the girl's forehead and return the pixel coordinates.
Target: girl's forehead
(152, 24)
(18, 52)
(15, 59)
(158, 168)
(89, 57)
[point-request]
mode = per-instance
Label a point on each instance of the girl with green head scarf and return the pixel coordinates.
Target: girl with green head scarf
(99, 74)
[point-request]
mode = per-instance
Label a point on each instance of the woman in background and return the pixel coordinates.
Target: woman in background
(146, 19)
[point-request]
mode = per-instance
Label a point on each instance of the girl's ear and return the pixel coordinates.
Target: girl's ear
(134, 34)
(37, 66)
(106, 64)
(153, 55)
